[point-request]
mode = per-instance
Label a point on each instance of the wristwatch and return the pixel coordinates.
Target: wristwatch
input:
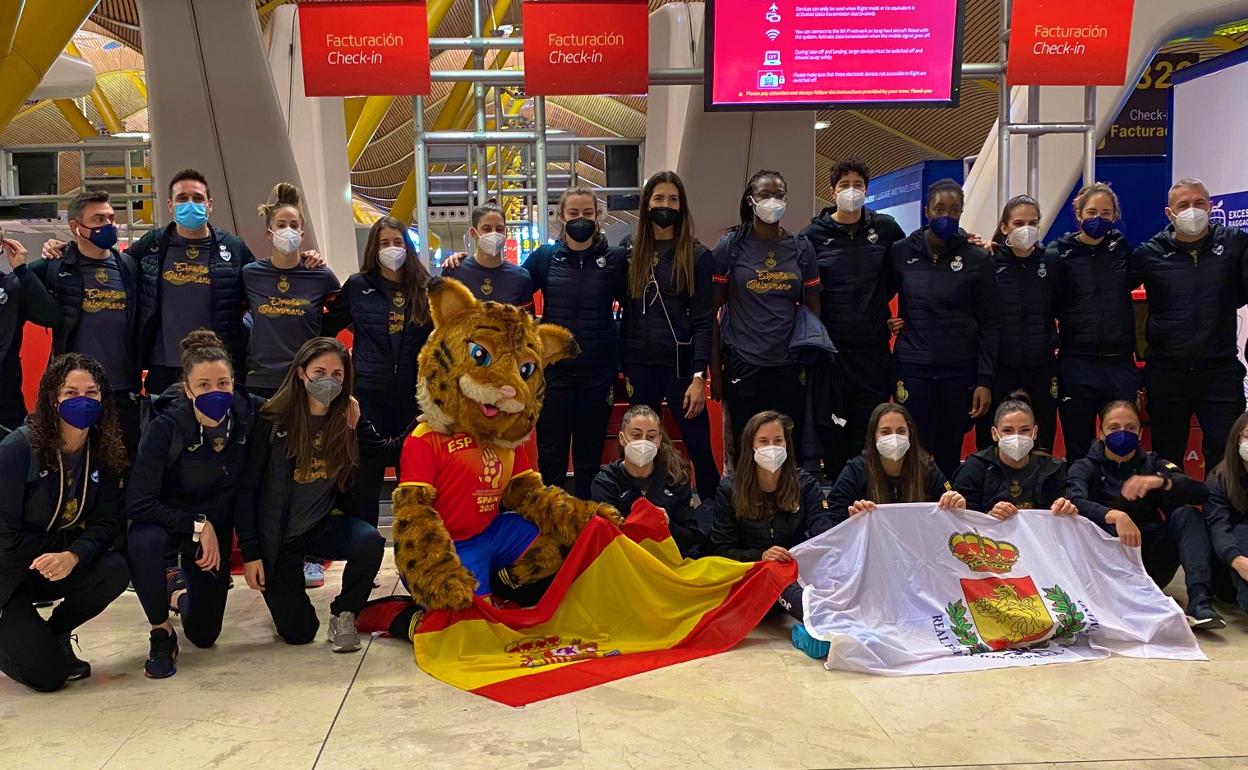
(200, 521)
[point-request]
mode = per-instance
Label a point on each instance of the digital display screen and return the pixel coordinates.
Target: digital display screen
(821, 54)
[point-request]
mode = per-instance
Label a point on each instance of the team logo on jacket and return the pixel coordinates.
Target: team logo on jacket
(1053, 387)
(999, 613)
(902, 395)
(1042, 271)
(192, 252)
(1016, 489)
(101, 275)
(1217, 250)
(399, 299)
(4, 297)
(218, 444)
(224, 252)
(283, 284)
(601, 262)
(872, 235)
(487, 287)
(956, 265)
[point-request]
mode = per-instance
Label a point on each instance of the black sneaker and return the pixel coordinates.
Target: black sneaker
(1201, 615)
(163, 655)
(78, 668)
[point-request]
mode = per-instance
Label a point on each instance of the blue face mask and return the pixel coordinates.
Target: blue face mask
(215, 405)
(1096, 228)
(80, 411)
(944, 228)
(1122, 442)
(190, 214)
(104, 236)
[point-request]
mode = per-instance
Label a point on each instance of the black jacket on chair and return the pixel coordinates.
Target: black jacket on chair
(746, 540)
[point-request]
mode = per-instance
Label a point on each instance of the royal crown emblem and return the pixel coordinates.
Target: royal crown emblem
(982, 554)
(283, 284)
(101, 275)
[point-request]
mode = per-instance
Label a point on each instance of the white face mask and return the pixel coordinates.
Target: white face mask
(491, 243)
(850, 200)
(893, 446)
(1192, 221)
(1023, 237)
(771, 458)
(770, 211)
(1017, 446)
(1243, 451)
(287, 240)
(641, 452)
(392, 257)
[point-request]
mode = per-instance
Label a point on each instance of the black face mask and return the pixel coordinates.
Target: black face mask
(665, 217)
(580, 229)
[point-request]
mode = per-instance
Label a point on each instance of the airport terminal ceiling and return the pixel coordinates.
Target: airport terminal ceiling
(887, 139)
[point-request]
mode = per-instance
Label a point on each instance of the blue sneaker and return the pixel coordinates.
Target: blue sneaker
(808, 644)
(313, 575)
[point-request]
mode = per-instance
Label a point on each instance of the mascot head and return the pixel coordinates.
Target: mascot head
(482, 370)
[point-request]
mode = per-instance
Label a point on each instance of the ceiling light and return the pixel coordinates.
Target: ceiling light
(821, 124)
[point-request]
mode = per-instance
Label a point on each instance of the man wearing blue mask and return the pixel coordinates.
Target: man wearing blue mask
(93, 294)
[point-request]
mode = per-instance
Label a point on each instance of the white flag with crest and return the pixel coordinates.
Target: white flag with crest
(913, 589)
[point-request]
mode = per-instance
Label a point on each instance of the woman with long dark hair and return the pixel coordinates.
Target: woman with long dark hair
(667, 319)
(181, 496)
(581, 278)
(303, 460)
(893, 468)
(1026, 297)
(287, 299)
(650, 466)
(763, 275)
(386, 306)
(1227, 509)
(60, 511)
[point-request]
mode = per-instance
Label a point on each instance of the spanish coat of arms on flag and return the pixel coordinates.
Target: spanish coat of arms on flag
(914, 589)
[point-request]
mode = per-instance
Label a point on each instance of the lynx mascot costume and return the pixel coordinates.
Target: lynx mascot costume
(480, 390)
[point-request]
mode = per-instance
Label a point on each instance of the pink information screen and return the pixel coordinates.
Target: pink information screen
(803, 54)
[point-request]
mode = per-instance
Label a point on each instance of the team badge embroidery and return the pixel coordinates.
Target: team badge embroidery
(1016, 489)
(192, 252)
(601, 262)
(872, 236)
(101, 275)
(1042, 271)
(1053, 387)
(487, 287)
(902, 394)
(283, 284)
(956, 265)
(4, 297)
(770, 262)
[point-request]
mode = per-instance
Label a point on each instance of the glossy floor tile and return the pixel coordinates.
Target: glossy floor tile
(253, 702)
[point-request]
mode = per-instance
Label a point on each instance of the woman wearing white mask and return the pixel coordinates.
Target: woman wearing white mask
(893, 468)
(1193, 274)
(650, 466)
(1001, 480)
(386, 306)
(763, 274)
(1227, 509)
(852, 243)
(287, 299)
(1026, 294)
(486, 274)
(767, 506)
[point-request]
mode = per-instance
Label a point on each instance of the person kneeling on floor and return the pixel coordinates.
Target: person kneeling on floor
(303, 458)
(60, 510)
(1147, 502)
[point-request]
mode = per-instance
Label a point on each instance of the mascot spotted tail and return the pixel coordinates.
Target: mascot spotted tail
(469, 505)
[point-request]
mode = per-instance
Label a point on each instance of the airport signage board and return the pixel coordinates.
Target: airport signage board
(575, 48)
(364, 49)
(1067, 43)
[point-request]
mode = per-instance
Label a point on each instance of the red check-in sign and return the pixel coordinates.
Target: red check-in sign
(576, 48)
(1062, 43)
(364, 49)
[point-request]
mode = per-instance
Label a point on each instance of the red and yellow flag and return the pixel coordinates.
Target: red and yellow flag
(623, 602)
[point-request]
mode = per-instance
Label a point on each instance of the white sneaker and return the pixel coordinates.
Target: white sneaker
(342, 633)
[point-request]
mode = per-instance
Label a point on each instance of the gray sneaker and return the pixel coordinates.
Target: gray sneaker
(342, 634)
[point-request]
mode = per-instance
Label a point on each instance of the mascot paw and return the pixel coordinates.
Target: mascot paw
(458, 591)
(452, 590)
(609, 513)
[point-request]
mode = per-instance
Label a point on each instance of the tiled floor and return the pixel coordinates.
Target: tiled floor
(251, 702)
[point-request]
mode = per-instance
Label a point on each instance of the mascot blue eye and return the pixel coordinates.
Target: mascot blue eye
(479, 355)
(527, 369)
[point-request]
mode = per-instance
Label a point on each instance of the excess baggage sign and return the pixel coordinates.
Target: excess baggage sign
(1062, 43)
(364, 49)
(574, 48)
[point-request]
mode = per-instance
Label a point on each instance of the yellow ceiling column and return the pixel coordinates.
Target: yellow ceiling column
(10, 12)
(75, 118)
(43, 31)
(102, 106)
(352, 106)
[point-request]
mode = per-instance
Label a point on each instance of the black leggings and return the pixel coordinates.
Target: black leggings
(576, 412)
(392, 418)
(202, 607)
(30, 651)
(651, 385)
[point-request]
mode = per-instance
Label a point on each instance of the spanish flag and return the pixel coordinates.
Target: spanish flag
(623, 602)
